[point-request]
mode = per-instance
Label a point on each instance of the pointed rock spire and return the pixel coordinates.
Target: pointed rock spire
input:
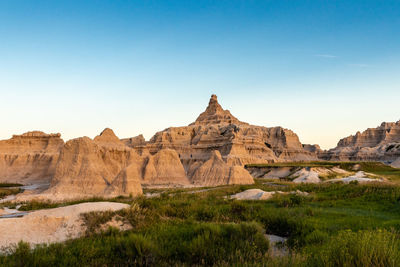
(215, 114)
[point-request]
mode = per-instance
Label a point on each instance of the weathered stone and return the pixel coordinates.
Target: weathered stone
(102, 167)
(29, 158)
(374, 144)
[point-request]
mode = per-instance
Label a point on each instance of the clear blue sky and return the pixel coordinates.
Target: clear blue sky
(324, 69)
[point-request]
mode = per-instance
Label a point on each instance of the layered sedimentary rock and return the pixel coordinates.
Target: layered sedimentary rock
(216, 171)
(164, 168)
(374, 144)
(210, 151)
(99, 167)
(29, 158)
(239, 143)
(136, 141)
(312, 148)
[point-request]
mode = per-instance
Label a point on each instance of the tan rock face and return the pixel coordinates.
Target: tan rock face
(29, 158)
(239, 143)
(164, 168)
(210, 151)
(374, 144)
(387, 132)
(134, 141)
(216, 171)
(215, 114)
(100, 167)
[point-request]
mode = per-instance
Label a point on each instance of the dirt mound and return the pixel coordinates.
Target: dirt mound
(50, 225)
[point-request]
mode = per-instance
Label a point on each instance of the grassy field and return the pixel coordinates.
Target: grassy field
(336, 225)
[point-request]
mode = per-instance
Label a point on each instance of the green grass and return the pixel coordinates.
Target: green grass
(37, 205)
(335, 225)
(8, 191)
(9, 185)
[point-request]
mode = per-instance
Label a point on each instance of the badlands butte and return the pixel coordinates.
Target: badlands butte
(214, 150)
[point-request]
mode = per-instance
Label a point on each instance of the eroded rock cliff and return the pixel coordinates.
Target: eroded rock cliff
(374, 144)
(29, 158)
(239, 143)
(100, 167)
(216, 171)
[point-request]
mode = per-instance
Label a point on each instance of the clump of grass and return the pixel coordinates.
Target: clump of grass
(9, 185)
(168, 244)
(9, 191)
(38, 205)
(363, 248)
(288, 201)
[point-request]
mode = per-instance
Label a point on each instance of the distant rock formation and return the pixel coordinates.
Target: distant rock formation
(312, 148)
(374, 144)
(100, 167)
(29, 158)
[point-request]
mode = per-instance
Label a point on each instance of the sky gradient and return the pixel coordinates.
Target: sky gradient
(324, 69)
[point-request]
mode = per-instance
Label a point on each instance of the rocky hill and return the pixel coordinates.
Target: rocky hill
(210, 151)
(238, 142)
(374, 144)
(100, 167)
(30, 157)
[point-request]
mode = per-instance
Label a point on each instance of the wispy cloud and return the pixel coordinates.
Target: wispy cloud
(361, 65)
(325, 56)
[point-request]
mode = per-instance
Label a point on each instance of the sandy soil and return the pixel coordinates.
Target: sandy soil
(258, 194)
(50, 225)
(306, 176)
(360, 176)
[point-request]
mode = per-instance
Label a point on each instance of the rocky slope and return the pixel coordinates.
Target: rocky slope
(216, 171)
(164, 168)
(29, 158)
(374, 144)
(100, 167)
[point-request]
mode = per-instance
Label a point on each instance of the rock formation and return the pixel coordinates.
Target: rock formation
(164, 168)
(374, 144)
(29, 158)
(99, 167)
(136, 141)
(216, 171)
(210, 151)
(239, 143)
